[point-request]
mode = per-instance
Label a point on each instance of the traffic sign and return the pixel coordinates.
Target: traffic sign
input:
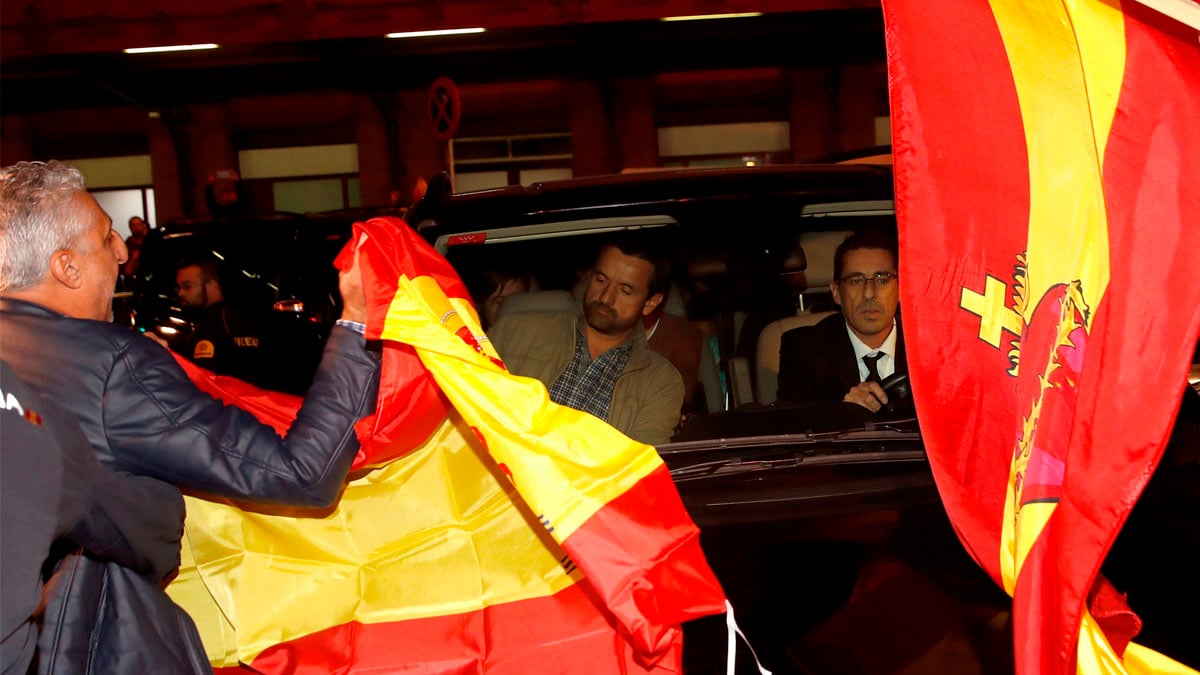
(445, 108)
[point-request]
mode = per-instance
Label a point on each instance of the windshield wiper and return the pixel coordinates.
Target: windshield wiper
(738, 465)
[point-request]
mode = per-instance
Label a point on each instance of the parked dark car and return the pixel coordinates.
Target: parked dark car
(822, 522)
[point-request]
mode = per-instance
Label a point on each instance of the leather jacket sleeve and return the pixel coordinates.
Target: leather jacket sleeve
(158, 424)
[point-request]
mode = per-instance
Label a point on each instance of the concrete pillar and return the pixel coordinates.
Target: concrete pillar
(210, 144)
(591, 144)
(861, 88)
(634, 124)
(16, 143)
(374, 166)
(811, 114)
(421, 155)
(164, 165)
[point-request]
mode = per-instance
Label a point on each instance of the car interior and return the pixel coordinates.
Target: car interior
(742, 293)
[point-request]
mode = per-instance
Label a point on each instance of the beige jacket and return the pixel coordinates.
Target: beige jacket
(647, 397)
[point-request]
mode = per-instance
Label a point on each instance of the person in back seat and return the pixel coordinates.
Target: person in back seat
(678, 341)
(845, 356)
(489, 287)
(596, 358)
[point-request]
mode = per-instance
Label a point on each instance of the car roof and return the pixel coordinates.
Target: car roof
(665, 191)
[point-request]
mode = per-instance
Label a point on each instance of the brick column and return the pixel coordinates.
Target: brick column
(591, 145)
(421, 156)
(210, 144)
(811, 114)
(164, 165)
(861, 96)
(374, 167)
(633, 120)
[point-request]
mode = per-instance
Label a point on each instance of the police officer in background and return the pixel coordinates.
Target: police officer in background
(224, 339)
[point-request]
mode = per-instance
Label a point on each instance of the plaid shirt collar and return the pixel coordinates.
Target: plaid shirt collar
(588, 384)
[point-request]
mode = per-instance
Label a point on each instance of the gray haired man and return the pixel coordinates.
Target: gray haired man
(59, 260)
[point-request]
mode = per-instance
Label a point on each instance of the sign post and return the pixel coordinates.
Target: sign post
(445, 115)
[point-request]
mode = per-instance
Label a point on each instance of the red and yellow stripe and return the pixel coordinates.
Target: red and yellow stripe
(518, 535)
(1045, 155)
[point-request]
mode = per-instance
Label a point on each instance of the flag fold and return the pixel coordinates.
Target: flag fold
(486, 530)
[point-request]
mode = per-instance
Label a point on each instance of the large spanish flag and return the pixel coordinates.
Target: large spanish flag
(487, 530)
(1047, 158)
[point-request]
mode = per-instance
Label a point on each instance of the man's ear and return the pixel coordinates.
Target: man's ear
(64, 267)
(836, 291)
(652, 304)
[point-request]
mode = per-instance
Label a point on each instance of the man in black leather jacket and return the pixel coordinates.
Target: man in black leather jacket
(55, 499)
(59, 260)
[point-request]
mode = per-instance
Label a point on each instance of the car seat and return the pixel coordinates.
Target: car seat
(819, 248)
(766, 379)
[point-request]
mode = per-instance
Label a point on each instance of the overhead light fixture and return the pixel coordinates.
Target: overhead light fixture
(431, 33)
(703, 17)
(171, 48)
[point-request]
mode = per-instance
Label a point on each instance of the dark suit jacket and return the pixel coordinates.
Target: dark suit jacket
(817, 363)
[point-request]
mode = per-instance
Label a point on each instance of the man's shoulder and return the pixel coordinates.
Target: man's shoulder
(52, 326)
(534, 320)
(539, 315)
(661, 366)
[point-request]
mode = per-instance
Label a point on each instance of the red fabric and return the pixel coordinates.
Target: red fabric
(572, 637)
(410, 405)
(651, 589)
(645, 571)
(270, 407)
(938, 149)
(962, 181)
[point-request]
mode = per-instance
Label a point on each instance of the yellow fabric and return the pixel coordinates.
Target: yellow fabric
(437, 532)
(566, 463)
(430, 534)
(1096, 656)
(1068, 61)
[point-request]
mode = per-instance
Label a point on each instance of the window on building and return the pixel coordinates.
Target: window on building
(122, 186)
(485, 162)
(738, 144)
(301, 179)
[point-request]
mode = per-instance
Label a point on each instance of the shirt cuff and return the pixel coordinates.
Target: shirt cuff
(360, 328)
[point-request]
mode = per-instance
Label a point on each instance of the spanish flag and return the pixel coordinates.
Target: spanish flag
(486, 529)
(1047, 155)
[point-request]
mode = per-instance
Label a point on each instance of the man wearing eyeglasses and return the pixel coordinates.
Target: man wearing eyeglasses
(224, 340)
(846, 356)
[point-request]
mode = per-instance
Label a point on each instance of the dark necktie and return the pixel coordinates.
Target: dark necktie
(872, 369)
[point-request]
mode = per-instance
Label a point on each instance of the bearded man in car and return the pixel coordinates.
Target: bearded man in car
(596, 358)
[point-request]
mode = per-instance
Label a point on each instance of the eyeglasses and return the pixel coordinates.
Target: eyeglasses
(186, 286)
(858, 281)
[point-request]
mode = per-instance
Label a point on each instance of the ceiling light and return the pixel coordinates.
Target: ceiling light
(430, 33)
(702, 17)
(171, 48)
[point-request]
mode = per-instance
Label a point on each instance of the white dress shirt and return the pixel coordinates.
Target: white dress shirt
(886, 365)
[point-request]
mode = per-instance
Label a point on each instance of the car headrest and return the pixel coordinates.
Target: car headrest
(818, 249)
(766, 374)
(558, 300)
